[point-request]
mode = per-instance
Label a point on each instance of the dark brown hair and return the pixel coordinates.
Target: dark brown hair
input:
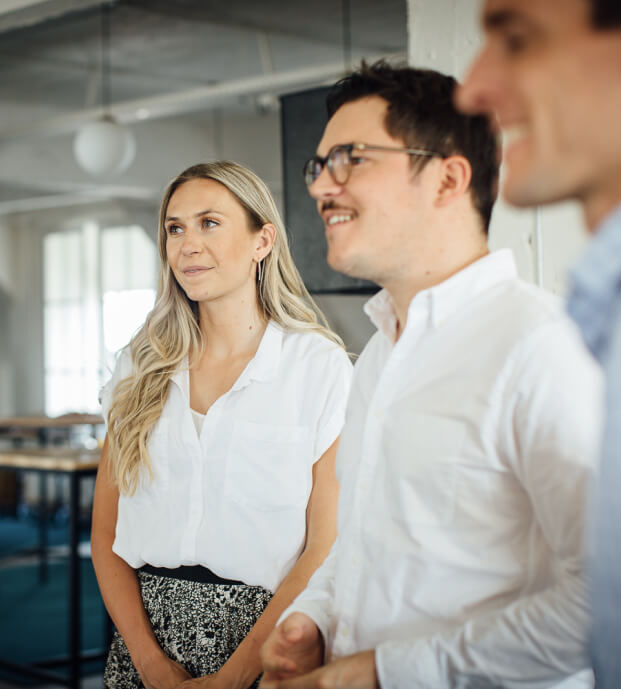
(606, 14)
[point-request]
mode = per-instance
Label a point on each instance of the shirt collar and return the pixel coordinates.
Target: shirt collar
(594, 282)
(264, 364)
(262, 367)
(598, 269)
(434, 305)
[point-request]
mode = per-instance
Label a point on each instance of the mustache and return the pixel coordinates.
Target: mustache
(332, 206)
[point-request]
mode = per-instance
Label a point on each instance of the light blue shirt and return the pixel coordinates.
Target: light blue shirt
(595, 304)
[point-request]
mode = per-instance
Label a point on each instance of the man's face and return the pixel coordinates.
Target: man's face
(376, 223)
(554, 83)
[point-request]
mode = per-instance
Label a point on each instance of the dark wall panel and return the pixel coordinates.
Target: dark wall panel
(303, 118)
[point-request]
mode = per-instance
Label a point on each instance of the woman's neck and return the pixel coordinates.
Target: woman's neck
(231, 326)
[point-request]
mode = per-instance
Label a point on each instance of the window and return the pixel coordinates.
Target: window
(99, 285)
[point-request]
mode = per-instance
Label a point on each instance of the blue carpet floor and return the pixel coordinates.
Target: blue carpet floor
(34, 615)
(22, 535)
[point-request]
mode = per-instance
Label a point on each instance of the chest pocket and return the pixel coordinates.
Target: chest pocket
(269, 467)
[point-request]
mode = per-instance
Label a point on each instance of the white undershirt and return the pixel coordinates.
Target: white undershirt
(198, 419)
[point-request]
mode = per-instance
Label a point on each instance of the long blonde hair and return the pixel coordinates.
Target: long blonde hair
(171, 330)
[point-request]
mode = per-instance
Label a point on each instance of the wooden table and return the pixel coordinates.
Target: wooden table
(44, 429)
(76, 464)
(42, 425)
(71, 419)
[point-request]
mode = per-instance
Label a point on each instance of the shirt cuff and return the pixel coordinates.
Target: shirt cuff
(329, 433)
(405, 663)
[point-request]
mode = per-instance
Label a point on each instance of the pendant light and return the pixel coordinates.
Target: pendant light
(104, 146)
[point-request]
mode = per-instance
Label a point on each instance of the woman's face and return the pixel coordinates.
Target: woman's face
(210, 246)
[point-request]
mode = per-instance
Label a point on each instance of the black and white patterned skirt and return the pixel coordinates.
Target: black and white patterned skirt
(197, 624)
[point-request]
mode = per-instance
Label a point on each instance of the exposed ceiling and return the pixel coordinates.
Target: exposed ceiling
(163, 48)
(172, 57)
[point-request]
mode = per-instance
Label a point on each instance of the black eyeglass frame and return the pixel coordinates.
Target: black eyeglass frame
(309, 166)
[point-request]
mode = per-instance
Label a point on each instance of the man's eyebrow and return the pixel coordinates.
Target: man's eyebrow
(498, 19)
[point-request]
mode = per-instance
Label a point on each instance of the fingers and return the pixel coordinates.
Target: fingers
(276, 663)
(299, 630)
(301, 622)
(303, 682)
(293, 648)
(292, 631)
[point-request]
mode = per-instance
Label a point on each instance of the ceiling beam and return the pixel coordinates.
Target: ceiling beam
(101, 192)
(12, 5)
(17, 14)
(190, 100)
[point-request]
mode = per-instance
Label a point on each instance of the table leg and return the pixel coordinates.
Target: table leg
(43, 540)
(75, 631)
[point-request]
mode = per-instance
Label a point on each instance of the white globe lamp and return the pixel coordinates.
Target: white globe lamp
(104, 147)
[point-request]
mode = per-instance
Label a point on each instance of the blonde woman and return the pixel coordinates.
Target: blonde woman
(216, 496)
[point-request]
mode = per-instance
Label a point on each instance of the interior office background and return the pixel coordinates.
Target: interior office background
(194, 81)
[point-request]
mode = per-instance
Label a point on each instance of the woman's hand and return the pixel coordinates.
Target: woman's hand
(162, 672)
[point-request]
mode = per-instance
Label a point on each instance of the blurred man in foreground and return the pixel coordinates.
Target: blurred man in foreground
(550, 72)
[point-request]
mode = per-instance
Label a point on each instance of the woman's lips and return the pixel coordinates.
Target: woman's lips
(195, 270)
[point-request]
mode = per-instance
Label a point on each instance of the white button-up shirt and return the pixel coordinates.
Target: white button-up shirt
(234, 499)
(463, 465)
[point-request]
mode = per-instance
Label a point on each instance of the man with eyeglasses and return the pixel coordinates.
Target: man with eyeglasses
(471, 426)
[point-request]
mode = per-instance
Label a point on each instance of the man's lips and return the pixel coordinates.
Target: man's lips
(514, 134)
(337, 216)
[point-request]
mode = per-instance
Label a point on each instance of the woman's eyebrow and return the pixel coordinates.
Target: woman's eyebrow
(196, 215)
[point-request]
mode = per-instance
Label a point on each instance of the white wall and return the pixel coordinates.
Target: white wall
(6, 295)
(445, 35)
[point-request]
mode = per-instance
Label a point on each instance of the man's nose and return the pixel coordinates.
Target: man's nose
(324, 186)
(477, 94)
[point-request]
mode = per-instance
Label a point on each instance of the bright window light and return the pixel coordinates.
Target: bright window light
(99, 285)
(123, 313)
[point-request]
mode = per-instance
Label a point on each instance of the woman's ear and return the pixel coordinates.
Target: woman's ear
(455, 179)
(266, 236)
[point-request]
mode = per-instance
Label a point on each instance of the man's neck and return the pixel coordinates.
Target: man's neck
(598, 204)
(403, 291)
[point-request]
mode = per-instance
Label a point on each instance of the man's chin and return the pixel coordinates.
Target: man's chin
(336, 262)
(534, 191)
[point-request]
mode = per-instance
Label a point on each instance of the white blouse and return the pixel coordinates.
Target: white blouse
(233, 498)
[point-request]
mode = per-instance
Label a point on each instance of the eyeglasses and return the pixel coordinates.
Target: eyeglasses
(340, 161)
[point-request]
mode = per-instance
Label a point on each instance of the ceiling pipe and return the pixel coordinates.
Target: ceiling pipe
(190, 100)
(78, 197)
